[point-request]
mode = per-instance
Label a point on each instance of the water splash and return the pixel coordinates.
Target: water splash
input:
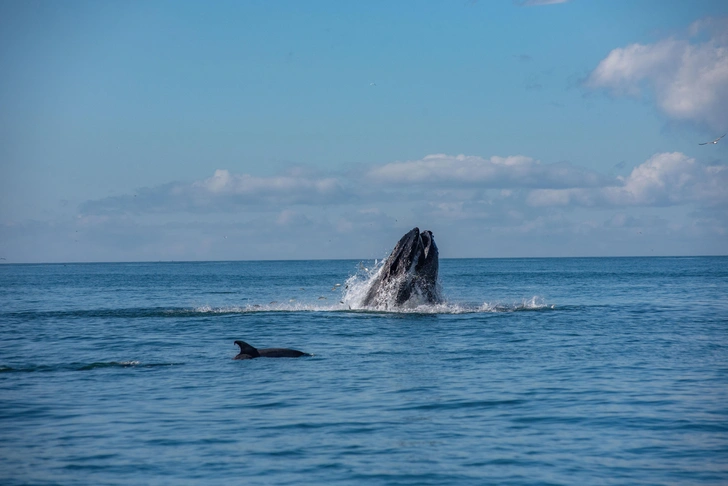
(442, 308)
(358, 285)
(535, 303)
(356, 288)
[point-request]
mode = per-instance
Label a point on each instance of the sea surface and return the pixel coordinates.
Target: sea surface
(533, 371)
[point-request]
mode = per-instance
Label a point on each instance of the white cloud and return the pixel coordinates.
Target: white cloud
(689, 79)
(223, 182)
(497, 206)
(225, 191)
(665, 179)
(444, 170)
(446, 181)
(716, 27)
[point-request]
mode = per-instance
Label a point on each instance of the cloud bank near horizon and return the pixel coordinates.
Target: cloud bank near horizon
(515, 171)
(478, 207)
(224, 191)
(665, 179)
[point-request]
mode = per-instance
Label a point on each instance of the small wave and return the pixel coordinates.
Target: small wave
(122, 364)
(464, 404)
(83, 367)
(531, 304)
(272, 307)
(120, 313)
(110, 364)
(343, 305)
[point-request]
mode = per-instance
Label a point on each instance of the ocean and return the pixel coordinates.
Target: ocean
(532, 371)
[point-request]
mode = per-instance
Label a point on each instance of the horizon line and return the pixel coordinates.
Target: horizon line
(102, 262)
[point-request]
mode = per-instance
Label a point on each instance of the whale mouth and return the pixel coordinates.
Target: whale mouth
(426, 237)
(428, 256)
(408, 277)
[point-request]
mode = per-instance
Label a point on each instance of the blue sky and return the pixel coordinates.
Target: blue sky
(134, 131)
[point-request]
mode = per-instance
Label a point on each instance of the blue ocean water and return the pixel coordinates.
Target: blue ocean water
(534, 371)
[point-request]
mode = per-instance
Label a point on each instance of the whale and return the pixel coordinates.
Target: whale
(249, 352)
(408, 275)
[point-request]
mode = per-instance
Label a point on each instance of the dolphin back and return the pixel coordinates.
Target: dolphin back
(246, 351)
(249, 352)
(281, 353)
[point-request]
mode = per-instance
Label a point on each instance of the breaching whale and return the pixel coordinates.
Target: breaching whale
(410, 272)
(249, 352)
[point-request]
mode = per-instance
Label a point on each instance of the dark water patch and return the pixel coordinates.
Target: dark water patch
(299, 426)
(464, 404)
(84, 367)
(124, 364)
(413, 478)
(282, 453)
(122, 313)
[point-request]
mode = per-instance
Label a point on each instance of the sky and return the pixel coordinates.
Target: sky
(246, 130)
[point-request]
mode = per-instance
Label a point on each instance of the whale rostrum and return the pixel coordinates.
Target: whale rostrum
(249, 352)
(408, 274)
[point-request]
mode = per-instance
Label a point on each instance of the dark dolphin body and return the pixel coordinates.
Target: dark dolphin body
(410, 270)
(249, 352)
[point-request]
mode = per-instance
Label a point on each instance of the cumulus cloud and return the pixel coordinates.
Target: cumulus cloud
(287, 188)
(496, 201)
(445, 180)
(689, 79)
(663, 180)
(715, 27)
(514, 171)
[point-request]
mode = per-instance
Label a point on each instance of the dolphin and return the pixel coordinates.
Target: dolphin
(249, 352)
(409, 271)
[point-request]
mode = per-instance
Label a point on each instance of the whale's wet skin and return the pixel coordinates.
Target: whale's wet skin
(408, 276)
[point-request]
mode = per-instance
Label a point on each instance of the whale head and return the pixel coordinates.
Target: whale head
(410, 271)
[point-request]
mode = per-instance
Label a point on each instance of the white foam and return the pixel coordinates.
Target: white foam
(129, 363)
(355, 290)
(410, 308)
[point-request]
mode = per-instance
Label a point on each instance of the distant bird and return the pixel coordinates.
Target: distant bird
(714, 141)
(372, 84)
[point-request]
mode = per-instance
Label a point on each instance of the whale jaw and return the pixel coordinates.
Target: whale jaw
(408, 274)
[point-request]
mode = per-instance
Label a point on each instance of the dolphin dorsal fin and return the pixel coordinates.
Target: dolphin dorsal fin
(246, 348)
